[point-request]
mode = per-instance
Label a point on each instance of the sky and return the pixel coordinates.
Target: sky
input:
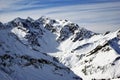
(95, 15)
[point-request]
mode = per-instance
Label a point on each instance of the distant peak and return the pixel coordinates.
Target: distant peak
(18, 19)
(30, 19)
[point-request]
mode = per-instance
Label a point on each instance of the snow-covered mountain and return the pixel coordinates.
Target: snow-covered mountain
(21, 56)
(49, 49)
(94, 58)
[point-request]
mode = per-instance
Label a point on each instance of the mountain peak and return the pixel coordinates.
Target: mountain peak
(30, 48)
(23, 51)
(18, 19)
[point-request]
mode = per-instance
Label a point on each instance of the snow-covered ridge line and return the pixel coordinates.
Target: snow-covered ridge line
(90, 55)
(24, 44)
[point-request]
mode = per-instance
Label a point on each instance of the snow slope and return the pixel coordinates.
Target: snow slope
(59, 49)
(95, 58)
(22, 43)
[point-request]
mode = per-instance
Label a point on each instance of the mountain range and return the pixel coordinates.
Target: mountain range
(52, 49)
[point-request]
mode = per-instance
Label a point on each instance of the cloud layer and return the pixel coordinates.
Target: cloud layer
(98, 17)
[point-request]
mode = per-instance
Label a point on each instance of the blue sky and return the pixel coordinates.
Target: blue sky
(95, 15)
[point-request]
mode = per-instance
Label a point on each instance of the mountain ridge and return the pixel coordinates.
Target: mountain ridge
(89, 55)
(20, 57)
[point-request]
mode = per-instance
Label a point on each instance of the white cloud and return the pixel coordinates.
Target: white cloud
(7, 4)
(97, 17)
